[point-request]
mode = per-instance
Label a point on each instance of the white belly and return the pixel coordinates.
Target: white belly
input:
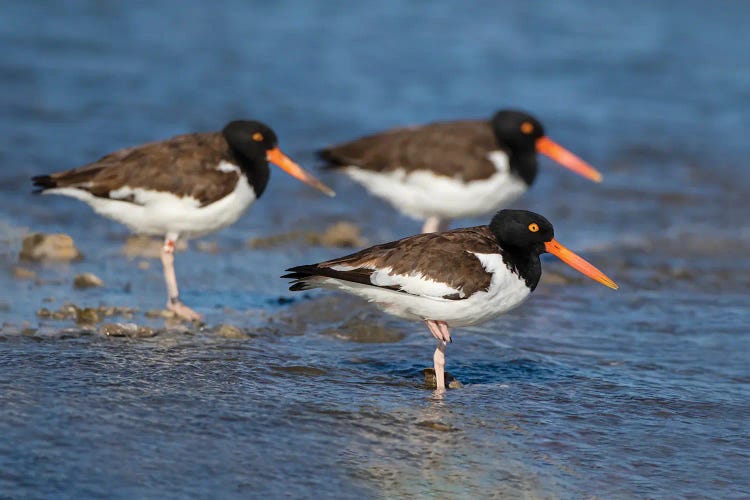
(160, 213)
(507, 291)
(422, 194)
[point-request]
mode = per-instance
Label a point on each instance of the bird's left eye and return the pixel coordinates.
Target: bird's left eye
(527, 127)
(533, 227)
(257, 137)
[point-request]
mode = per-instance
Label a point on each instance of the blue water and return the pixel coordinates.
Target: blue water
(582, 392)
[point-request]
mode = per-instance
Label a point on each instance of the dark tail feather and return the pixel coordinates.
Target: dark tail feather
(332, 160)
(298, 274)
(42, 182)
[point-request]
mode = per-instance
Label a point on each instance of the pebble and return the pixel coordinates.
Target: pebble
(231, 332)
(341, 235)
(87, 280)
(39, 247)
(130, 330)
(22, 273)
(85, 315)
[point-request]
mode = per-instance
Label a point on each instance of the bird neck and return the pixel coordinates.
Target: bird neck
(255, 169)
(523, 164)
(524, 263)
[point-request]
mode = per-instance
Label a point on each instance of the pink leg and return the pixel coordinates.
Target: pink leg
(438, 361)
(439, 330)
(431, 225)
(435, 225)
(173, 295)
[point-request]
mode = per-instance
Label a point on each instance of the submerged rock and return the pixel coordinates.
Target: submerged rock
(264, 242)
(450, 381)
(231, 332)
(341, 234)
(141, 245)
(160, 313)
(21, 273)
(87, 280)
(437, 426)
(130, 330)
(87, 315)
(39, 247)
(366, 329)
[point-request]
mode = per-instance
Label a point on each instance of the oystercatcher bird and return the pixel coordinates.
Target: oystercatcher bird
(446, 170)
(186, 186)
(454, 278)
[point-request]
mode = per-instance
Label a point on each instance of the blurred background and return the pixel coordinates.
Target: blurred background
(583, 391)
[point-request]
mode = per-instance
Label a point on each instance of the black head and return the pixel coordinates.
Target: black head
(523, 230)
(517, 133)
(252, 139)
(517, 130)
(254, 144)
(522, 136)
(523, 236)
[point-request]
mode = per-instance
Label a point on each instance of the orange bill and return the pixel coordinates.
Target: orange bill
(550, 148)
(578, 263)
(278, 158)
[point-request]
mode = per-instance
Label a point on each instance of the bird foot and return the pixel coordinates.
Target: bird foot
(183, 311)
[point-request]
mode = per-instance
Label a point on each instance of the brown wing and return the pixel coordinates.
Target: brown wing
(452, 149)
(441, 257)
(184, 165)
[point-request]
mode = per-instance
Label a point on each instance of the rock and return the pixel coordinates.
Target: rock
(87, 280)
(275, 240)
(130, 330)
(21, 273)
(436, 426)
(342, 234)
(87, 315)
(430, 383)
(44, 313)
(49, 247)
(366, 329)
(141, 245)
(160, 313)
(231, 332)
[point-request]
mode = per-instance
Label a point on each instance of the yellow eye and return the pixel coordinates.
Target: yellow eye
(527, 127)
(257, 137)
(533, 227)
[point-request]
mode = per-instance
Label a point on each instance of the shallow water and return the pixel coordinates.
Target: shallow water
(583, 391)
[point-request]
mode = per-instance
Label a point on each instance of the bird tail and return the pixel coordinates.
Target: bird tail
(301, 276)
(42, 183)
(331, 159)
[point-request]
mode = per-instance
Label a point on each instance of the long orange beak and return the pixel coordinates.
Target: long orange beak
(550, 148)
(578, 263)
(278, 158)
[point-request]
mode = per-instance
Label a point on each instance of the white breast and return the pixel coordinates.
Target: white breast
(422, 194)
